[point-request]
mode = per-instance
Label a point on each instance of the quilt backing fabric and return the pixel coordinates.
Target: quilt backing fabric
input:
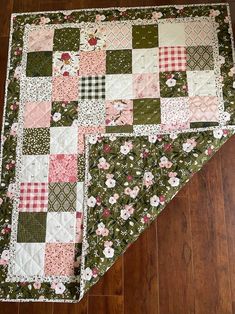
(108, 113)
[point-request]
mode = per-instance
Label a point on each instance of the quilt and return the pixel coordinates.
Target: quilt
(108, 113)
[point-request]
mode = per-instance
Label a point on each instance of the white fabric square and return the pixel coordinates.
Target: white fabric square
(80, 194)
(29, 259)
(171, 34)
(145, 60)
(174, 110)
(60, 227)
(201, 83)
(91, 112)
(64, 140)
(119, 86)
(36, 89)
(34, 168)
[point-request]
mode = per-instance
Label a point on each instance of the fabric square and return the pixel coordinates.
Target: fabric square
(33, 197)
(118, 86)
(201, 83)
(65, 88)
(146, 85)
(145, 60)
(39, 63)
(173, 84)
(40, 40)
(31, 227)
(37, 89)
(172, 58)
(60, 227)
(91, 112)
(93, 37)
(174, 111)
(92, 63)
(64, 113)
(36, 141)
(79, 228)
(63, 168)
(92, 87)
(146, 111)
(29, 259)
(59, 259)
(83, 131)
(34, 168)
(171, 34)
(81, 162)
(118, 61)
(204, 109)
(63, 140)
(37, 114)
(200, 58)
(80, 194)
(62, 197)
(66, 39)
(119, 36)
(144, 36)
(65, 63)
(119, 112)
(199, 33)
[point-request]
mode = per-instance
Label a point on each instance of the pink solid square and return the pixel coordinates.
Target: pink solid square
(65, 88)
(146, 85)
(63, 168)
(92, 63)
(41, 40)
(37, 114)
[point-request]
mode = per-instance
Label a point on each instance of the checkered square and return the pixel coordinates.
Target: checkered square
(92, 87)
(33, 197)
(172, 59)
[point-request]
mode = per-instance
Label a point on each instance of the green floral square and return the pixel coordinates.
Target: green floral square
(31, 227)
(146, 111)
(144, 36)
(66, 39)
(64, 113)
(199, 58)
(62, 197)
(39, 63)
(118, 61)
(173, 84)
(36, 141)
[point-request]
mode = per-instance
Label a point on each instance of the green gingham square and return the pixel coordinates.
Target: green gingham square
(92, 87)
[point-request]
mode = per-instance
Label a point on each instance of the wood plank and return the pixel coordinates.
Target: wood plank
(6, 7)
(141, 274)
(209, 241)
(9, 308)
(175, 272)
(106, 305)
(25, 6)
(35, 308)
(68, 308)
(111, 283)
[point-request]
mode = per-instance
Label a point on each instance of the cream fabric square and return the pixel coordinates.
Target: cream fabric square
(171, 34)
(80, 193)
(91, 112)
(34, 168)
(174, 110)
(29, 259)
(36, 89)
(61, 227)
(64, 140)
(119, 86)
(201, 83)
(145, 60)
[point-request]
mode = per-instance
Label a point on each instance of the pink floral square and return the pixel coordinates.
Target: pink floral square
(146, 85)
(92, 63)
(83, 130)
(41, 40)
(65, 88)
(37, 114)
(119, 112)
(63, 168)
(59, 259)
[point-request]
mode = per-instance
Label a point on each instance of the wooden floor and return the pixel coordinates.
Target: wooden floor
(185, 262)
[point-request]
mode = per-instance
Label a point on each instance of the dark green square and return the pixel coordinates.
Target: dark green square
(119, 129)
(64, 113)
(62, 197)
(39, 63)
(31, 227)
(144, 36)
(36, 141)
(118, 61)
(173, 84)
(66, 39)
(146, 111)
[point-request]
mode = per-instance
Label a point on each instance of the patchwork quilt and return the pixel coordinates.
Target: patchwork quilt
(108, 113)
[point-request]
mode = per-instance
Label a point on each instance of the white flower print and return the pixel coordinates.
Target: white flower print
(108, 252)
(60, 288)
(5, 255)
(189, 145)
(103, 164)
(171, 82)
(87, 275)
(125, 214)
(126, 148)
(164, 162)
(56, 116)
(154, 201)
(218, 134)
(152, 138)
(174, 181)
(91, 202)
